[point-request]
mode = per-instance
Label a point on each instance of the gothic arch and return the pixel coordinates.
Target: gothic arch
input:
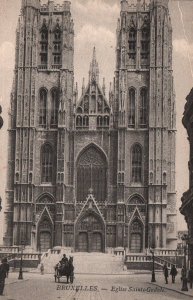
(94, 145)
(143, 107)
(90, 232)
(136, 235)
(91, 172)
(43, 103)
(136, 163)
(54, 101)
(47, 163)
(132, 93)
(44, 233)
(138, 196)
(45, 195)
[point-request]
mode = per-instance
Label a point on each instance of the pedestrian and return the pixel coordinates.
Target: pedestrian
(42, 268)
(165, 270)
(183, 273)
(3, 274)
(190, 276)
(6, 265)
(173, 273)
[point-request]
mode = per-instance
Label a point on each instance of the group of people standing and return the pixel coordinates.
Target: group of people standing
(174, 272)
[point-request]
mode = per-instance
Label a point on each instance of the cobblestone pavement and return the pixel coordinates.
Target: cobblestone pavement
(87, 287)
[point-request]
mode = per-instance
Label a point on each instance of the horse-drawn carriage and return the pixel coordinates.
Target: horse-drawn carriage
(65, 269)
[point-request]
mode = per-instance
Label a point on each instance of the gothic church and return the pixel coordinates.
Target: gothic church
(97, 171)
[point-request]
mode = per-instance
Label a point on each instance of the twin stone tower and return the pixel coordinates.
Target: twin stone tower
(94, 171)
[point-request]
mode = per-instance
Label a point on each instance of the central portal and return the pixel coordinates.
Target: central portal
(90, 234)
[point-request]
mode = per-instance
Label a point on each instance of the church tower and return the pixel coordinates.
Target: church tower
(145, 110)
(93, 172)
(41, 102)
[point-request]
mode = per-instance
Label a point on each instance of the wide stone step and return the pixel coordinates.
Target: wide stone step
(90, 263)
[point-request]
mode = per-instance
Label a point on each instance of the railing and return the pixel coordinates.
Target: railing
(138, 258)
(53, 251)
(56, 67)
(25, 256)
(13, 249)
(148, 258)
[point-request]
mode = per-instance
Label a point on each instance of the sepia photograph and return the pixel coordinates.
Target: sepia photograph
(96, 149)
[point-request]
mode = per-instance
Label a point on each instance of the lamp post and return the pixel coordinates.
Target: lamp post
(20, 277)
(0, 204)
(153, 267)
(184, 278)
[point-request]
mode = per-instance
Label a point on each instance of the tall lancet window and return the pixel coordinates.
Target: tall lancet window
(57, 47)
(44, 46)
(54, 108)
(144, 44)
(131, 110)
(132, 43)
(143, 113)
(42, 108)
(136, 164)
(92, 174)
(46, 164)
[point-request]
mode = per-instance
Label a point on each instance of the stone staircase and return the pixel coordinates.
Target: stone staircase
(97, 263)
(85, 263)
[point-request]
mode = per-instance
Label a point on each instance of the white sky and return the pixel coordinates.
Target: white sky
(95, 25)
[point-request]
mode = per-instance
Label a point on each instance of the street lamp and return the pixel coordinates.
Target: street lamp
(20, 277)
(153, 266)
(184, 278)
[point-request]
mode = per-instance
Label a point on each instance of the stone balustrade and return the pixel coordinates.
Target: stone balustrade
(13, 249)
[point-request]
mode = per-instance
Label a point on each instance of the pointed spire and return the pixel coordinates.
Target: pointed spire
(94, 69)
(75, 92)
(83, 86)
(104, 87)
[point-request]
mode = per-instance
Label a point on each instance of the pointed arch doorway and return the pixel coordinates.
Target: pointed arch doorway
(90, 234)
(44, 235)
(136, 236)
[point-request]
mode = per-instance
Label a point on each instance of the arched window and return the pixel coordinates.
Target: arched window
(145, 43)
(44, 45)
(136, 200)
(54, 108)
(136, 163)
(131, 112)
(78, 121)
(143, 108)
(42, 107)
(92, 173)
(46, 164)
(57, 44)
(85, 121)
(106, 121)
(132, 43)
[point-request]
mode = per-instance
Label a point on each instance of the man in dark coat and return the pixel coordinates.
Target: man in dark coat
(190, 276)
(165, 269)
(173, 273)
(64, 260)
(4, 269)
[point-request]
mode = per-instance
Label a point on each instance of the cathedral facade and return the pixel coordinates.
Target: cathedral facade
(96, 171)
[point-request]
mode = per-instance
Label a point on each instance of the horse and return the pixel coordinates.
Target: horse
(66, 269)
